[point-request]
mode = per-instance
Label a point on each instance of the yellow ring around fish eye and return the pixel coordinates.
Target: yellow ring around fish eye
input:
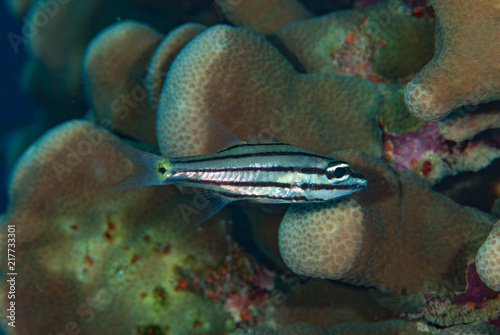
(163, 168)
(338, 171)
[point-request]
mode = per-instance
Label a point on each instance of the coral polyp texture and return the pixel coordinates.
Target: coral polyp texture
(126, 262)
(114, 78)
(235, 76)
(352, 240)
(322, 243)
(488, 259)
(163, 57)
(466, 64)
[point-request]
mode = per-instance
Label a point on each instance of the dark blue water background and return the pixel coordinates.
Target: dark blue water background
(16, 110)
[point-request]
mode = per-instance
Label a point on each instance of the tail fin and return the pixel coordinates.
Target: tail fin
(145, 169)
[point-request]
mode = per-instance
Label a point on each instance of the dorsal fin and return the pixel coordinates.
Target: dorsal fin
(220, 137)
(262, 140)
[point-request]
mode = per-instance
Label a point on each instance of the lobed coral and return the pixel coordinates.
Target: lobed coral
(319, 244)
(488, 259)
(465, 125)
(114, 78)
(123, 88)
(465, 66)
(352, 240)
(164, 56)
(261, 96)
(123, 261)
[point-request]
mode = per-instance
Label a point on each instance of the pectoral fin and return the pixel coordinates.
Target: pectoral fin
(205, 205)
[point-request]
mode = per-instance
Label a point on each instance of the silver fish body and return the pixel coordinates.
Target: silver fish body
(266, 172)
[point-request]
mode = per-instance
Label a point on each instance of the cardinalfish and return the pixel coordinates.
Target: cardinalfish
(264, 172)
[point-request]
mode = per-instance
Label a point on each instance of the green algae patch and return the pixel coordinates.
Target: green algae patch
(406, 42)
(394, 115)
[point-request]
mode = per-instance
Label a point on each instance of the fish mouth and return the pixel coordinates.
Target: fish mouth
(363, 183)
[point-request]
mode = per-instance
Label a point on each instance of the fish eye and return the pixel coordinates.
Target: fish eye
(338, 171)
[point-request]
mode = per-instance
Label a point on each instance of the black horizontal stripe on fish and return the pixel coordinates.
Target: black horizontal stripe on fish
(356, 174)
(314, 187)
(304, 170)
(270, 197)
(250, 145)
(254, 154)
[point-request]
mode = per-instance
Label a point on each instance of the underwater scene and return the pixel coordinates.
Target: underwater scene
(263, 167)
